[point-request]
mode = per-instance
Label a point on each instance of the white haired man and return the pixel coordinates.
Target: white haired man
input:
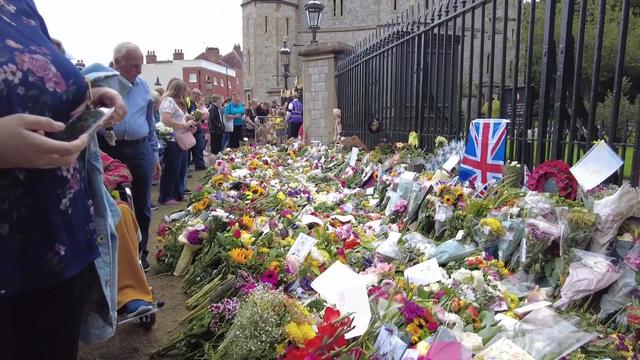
(136, 141)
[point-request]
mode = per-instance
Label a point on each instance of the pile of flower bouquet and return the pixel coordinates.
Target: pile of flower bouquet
(418, 265)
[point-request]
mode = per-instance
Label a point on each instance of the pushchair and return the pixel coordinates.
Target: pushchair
(148, 318)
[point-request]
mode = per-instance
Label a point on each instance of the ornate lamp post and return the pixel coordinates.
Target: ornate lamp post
(158, 83)
(286, 58)
(314, 15)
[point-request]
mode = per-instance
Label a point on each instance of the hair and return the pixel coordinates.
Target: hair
(295, 95)
(215, 98)
(156, 96)
(195, 91)
(177, 90)
(253, 103)
(123, 48)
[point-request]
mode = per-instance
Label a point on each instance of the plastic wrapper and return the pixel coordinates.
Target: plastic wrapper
(415, 200)
(589, 273)
(619, 294)
(420, 242)
(632, 258)
(453, 250)
(612, 211)
(389, 345)
(579, 225)
(509, 244)
(545, 335)
(540, 235)
(539, 206)
(488, 232)
(446, 346)
(443, 212)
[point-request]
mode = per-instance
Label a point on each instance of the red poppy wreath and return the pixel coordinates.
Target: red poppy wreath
(558, 171)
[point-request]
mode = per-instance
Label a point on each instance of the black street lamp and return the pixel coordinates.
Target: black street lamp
(158, 83)
(286, 58)
(314, 15)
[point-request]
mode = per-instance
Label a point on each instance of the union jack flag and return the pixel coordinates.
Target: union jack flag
(485, 152)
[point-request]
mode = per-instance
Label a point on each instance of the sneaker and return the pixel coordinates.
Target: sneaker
(155, 206)
(145, 265)
(169, 202)
(136, 308)
(187, 191)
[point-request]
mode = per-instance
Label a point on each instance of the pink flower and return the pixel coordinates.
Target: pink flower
(270, 277)
(42, 68)
(163, 229)
(400, 207)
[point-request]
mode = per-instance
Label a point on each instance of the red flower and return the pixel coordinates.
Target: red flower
(351, 244)
(473, 312)
(237, 234)
(331, 314)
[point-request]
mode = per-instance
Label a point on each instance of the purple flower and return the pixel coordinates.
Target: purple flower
(305, 283)
(193, 237)
(411, 311)
(439, 295)
(270, 277)
(400, 207)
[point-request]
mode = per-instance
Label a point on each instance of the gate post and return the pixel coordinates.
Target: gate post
(319, 81)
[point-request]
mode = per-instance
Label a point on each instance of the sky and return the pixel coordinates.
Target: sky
(90, 29)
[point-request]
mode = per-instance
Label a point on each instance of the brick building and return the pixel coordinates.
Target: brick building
(209, 71)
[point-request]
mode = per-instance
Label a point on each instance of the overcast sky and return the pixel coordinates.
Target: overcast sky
(90, 29)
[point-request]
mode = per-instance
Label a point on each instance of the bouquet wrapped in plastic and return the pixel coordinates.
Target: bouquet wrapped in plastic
(192, 239)
(540, 235)
(589, 273)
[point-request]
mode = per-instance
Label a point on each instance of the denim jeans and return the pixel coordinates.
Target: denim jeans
(226, 137)
(173, 173)
(197, 149)
(140, 160)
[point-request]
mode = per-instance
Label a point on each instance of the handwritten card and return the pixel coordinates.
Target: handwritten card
(596, 166)
(424, 273)
(530, 307)
(301, 247)
(355, 301)
(354, 156)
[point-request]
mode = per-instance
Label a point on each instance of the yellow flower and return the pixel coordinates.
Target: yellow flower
(281, 349)
(448, 199)
(275, 266)
(281, 196)
(241, 255)
(494, 225)
(249, 195)
(246, 222)
(246, 238)
(299, 333)
(257, 190)
(416, 327)
(218, 180)
(263, 250)
(201, 205)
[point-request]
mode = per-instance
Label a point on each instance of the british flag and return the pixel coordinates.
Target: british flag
(485, 151)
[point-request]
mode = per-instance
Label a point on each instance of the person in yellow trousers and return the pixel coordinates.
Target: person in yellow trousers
(134, 293)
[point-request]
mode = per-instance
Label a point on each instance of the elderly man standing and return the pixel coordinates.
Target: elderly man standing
(136, 142)
(196, 151)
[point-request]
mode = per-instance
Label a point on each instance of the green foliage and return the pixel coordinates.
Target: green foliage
(627, 115)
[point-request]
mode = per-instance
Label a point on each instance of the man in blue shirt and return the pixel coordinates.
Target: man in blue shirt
(136, 141)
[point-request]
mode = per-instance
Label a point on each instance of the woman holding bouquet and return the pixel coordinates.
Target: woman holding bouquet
(173, 113)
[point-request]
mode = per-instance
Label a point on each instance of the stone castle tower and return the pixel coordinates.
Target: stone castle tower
(266, 22)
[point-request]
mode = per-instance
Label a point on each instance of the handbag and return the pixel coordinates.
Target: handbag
(185, 139)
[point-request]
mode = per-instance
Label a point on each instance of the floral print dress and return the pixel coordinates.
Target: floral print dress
(46, 227)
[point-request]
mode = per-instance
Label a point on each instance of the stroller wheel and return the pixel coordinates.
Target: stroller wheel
(147, 321)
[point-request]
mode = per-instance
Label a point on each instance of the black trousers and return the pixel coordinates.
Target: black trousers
(140, 160)
(236, 135)
(215, 142)
(294, 128)
(45, 323)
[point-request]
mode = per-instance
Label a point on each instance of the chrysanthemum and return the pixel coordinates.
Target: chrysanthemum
(241, 255)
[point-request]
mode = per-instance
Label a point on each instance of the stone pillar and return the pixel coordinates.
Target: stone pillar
(319, 70)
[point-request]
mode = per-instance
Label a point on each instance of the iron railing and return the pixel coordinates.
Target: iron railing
(433, 70)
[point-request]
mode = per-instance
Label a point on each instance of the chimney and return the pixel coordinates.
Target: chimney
(212, 54)
(151, 57)
(178, 54)
(237, 48)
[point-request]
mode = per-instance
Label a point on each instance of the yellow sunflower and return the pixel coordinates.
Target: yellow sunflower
(448, 199)
(241, 255)
(246, 222)
(201, 205)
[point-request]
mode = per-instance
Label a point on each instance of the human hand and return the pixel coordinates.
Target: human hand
(23, 144)
(105, 97)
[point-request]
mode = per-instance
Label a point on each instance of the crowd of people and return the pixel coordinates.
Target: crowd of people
(60, 225)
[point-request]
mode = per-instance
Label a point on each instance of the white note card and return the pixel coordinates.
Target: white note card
(338, 276)
(530, 307)
(354, 156)
(451, 163)
(301, 247)
(596, 166)
(355, 301)
(424, 273)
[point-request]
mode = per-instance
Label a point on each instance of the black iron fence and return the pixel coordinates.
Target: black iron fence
(556, 69)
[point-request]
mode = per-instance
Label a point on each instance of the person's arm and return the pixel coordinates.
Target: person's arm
(228, 115)
(152, 137)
